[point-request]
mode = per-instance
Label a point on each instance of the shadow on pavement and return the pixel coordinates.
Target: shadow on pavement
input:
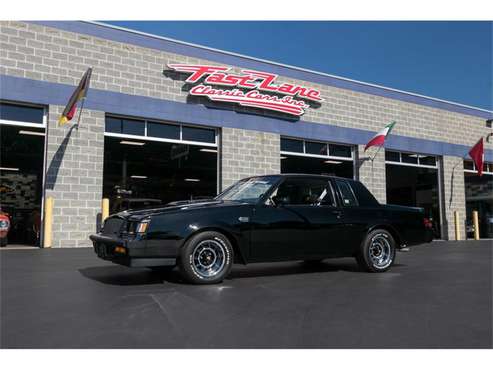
(120, 275)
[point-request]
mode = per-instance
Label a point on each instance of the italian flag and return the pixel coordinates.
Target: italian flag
(379, 138)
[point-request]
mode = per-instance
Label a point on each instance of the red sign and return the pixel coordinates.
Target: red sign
(257, 82)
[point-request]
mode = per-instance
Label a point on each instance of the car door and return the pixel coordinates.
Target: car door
(353, 220)
(295, 223)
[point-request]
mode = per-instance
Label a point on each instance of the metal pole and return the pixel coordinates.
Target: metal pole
(475, 221)
(48, 223)
(457, 225)
(105, 209)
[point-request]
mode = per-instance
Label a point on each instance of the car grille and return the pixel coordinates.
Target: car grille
(113, 226)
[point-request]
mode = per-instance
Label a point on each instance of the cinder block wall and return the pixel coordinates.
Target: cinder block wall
(454, 196)
(74, 175)
(247, 153)
(372, 172)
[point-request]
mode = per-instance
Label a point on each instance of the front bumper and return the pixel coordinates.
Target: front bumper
(135, 253)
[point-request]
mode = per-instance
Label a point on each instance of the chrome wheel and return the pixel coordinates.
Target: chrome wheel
(380, 251)
(208, 258)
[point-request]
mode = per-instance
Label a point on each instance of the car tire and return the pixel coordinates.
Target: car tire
(206, 258)
(377, 251)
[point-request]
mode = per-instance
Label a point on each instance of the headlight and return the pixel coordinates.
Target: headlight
(142, 227)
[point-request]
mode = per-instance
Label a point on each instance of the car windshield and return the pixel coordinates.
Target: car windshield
(248, 190)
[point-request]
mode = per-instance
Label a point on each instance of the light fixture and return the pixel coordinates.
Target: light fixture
(284, 157)
(29, 132)
(208, 150)
(192, 180)
(8, 169)
(139, 143)
(138, 177)
(332, 162)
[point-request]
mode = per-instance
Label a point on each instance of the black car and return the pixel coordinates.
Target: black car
(260, 219)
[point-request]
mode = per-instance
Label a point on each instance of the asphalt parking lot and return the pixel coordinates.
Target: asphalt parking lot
(436, 296)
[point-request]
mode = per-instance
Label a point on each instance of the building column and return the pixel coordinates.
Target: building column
(372, 173)
(247, 153)
(74, 175)
(454, 198)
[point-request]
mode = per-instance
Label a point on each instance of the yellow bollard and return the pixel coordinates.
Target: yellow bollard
(105, 209)
(457, 225)
(48, 223)
(475, 222)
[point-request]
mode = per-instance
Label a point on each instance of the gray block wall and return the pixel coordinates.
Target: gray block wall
(371, 171)
(74, 175)
(248, 153)
(454, 196)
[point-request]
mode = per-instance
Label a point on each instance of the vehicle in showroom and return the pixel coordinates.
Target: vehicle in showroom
(264, 219)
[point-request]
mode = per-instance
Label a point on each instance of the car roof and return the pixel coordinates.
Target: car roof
(311, 175)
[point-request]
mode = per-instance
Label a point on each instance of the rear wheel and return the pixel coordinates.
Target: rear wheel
(377, 252)
(206, 258)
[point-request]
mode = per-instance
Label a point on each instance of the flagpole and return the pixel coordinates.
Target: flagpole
(80, 112)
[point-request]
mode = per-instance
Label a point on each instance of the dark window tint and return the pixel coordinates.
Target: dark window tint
(21, 113)
(427, 160)
(409, 158)
(113, 125)
(392, 156)
(133, 127)
(199, 134)
(163, 130)
(315, 148)
(347, 195)
(291, 145)
(340, 150)
(301, 192)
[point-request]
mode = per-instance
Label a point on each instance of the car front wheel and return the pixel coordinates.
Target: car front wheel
(206, 258)
(377, 252)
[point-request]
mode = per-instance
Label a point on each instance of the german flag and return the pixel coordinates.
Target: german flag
(79, 93)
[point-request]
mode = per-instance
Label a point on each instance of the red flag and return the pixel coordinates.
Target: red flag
(477, 155)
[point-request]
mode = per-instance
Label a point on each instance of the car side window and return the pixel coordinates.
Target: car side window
(347, 194)
(303, 192)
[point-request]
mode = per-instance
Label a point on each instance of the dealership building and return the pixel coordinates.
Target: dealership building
(165, 120)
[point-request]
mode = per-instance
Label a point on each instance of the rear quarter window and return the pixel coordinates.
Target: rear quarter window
(347, 195)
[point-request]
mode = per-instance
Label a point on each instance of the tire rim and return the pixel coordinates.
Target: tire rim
(380, 251)
(208, 258)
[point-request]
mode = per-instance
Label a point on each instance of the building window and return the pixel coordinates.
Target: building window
(316, 157)
(159, 131)
(163, 130)
(21, 113)
(411, 158)
(198, 134)
(479, 197)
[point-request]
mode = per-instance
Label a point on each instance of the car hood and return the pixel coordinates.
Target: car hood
(180, 206)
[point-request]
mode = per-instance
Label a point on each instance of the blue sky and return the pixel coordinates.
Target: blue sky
(446, 60)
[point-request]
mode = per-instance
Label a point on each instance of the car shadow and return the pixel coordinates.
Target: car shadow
(120, 275)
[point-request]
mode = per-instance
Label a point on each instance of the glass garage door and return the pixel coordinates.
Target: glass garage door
(22, 150)
(479, 197)
(148, 163)
(412, 180)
